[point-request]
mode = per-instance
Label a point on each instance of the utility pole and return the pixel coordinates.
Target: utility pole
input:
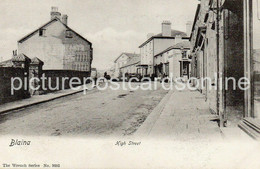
(219, 82)
(218, 69)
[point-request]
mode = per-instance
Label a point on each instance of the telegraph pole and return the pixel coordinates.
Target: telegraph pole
(221, 123)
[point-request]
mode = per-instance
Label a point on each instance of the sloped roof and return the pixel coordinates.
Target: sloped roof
(181, 45)
(130, 55)
(173, 34)
(21, 58)
(36, 60)
(6, 63)
(46, 25)
(132, 61)
(184, 44)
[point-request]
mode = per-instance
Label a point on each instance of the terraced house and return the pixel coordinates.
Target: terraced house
(57, 45)
(131, 66)
(225, 44)
(158, 43)
(121, 62)
(174, 61)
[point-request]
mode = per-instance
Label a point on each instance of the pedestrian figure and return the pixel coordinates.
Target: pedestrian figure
(105, 75)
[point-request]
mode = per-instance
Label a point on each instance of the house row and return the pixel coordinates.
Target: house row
(163, 54)
(126, 63)
(225, 45)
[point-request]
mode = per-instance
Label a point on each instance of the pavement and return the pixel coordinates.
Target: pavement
(185, 115)
(182, 115)
(38, 99)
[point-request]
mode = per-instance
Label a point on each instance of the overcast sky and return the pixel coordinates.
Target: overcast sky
(113, 26)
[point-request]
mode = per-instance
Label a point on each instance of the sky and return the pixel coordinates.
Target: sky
(113, 26)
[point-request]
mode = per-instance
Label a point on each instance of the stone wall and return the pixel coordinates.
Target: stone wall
(56, 79)
(25, 69)
(6, 73)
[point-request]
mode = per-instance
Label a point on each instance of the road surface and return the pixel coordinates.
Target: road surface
(98, 113)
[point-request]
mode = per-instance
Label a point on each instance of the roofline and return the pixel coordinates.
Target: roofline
(32, 33)
(118, 57)
(160, 37)
(55, 19)
(122, 54)
(168, 49)
(5, 61)
(130, 64)
(195, 18)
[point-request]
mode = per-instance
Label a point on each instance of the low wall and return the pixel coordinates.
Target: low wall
(6, 73)
(58, 76)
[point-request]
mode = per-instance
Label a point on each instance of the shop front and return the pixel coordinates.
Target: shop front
(251, 122)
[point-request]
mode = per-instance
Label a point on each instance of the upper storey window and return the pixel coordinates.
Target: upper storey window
(184, 54)
(69, 34)
(42, 32)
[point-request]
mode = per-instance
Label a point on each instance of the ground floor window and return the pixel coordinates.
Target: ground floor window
(256, 58)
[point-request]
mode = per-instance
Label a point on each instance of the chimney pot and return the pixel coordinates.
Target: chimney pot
(55, 13)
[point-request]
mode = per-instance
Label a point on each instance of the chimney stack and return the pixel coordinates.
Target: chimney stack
(64, 19)
(55, 13)
(178, 39)
(166, 28)
(188, 28)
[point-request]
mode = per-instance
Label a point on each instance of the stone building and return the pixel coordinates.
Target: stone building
(122, 60)
(225, 45)
(57, 45)
(131, 66)
(158, 43)
(174, 62)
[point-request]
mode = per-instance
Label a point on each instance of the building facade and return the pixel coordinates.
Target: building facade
(57, 45)
(121, 61)
(225, 49)
(158, 43)
(131, 67)
(174, 62)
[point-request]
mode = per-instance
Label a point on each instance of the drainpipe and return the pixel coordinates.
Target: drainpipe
(221, 115)
(217, 38)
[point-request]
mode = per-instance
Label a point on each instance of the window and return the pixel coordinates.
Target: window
(69, 34)
(42, 32)
(184, 54)
(255, 61)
